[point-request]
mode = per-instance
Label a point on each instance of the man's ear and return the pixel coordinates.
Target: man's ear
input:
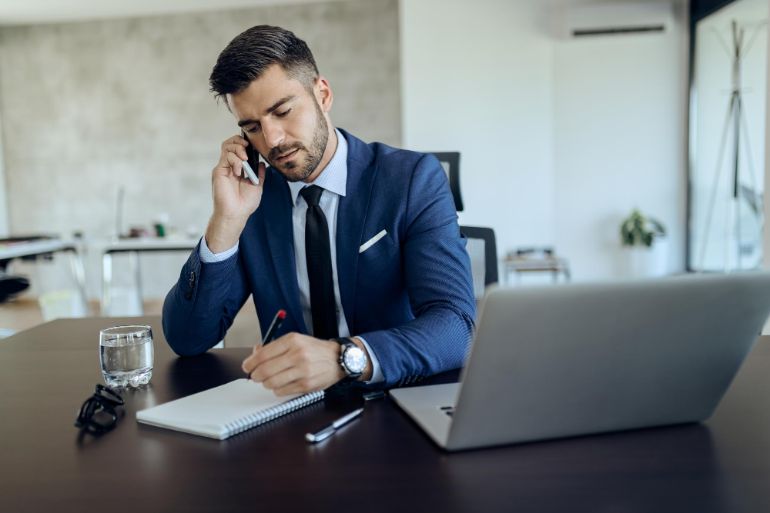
(323, 93)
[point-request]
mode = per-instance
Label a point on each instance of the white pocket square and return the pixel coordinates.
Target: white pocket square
(371, 242)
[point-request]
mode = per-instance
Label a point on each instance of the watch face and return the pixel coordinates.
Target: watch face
(354, 359)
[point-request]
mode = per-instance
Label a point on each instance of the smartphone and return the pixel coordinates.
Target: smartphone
(251, 163)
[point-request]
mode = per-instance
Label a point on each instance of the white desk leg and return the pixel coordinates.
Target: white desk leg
(106, 284)
(78, 271)
(138, 279)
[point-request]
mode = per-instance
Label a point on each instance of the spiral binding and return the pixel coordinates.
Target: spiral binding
(262, 416)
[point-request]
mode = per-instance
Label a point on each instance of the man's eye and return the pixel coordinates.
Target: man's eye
(251, 129)
(282, 114)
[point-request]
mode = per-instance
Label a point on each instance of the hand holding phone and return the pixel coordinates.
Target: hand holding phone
(235, 198)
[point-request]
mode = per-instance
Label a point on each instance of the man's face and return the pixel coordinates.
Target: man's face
(284, 121)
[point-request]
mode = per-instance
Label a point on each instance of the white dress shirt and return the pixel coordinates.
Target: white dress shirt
(332, 180)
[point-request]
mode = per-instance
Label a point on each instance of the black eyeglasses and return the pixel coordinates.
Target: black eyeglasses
(98, 413)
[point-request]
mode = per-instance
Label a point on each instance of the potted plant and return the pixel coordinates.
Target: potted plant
(642, 237)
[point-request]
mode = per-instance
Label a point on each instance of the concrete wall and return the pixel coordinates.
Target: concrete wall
(90, 107)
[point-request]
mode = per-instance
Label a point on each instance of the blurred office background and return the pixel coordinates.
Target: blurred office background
(107, 122)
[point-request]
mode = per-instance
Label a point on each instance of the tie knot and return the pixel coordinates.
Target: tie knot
(312, 195)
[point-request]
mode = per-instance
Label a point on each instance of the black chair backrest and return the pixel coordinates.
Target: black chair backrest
(490, 250)
(450, 161)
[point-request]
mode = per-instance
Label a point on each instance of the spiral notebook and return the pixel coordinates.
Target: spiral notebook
(226, 410)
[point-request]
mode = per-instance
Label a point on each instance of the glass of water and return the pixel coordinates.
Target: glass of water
(126, 353)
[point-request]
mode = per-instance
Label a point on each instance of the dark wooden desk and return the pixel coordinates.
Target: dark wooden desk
(382, 462)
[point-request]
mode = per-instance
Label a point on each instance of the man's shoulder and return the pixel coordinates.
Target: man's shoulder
(385, 157)
(391, 153)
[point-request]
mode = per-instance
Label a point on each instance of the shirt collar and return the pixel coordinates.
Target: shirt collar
(334, 176)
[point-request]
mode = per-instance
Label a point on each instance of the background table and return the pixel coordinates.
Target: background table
(381, 462)
(134, 248)
(35, 247)
(526, 264)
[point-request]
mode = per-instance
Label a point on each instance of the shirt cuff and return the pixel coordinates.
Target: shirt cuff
(207, 257)
(377, 376)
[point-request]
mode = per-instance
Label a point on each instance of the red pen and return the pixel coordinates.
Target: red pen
(277, 321)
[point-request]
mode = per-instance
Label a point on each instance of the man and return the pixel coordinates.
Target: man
(359, 243)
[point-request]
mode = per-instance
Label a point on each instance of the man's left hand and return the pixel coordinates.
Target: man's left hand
(295, 364)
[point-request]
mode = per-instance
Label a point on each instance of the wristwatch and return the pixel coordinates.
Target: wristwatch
(352, 358)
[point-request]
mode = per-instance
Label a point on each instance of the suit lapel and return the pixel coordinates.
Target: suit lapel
(351, 216)
(276, 202)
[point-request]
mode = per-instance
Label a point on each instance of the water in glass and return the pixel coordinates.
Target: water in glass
(126, 355)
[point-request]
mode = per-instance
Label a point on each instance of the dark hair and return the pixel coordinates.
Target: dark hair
(247, 57)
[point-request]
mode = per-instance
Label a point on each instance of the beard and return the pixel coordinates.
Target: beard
(303, 168)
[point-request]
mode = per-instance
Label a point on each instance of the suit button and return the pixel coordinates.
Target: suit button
(190, 286)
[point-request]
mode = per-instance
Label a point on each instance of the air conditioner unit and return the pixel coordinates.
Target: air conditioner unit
(616, 19)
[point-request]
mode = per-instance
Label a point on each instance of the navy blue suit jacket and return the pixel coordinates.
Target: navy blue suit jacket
(410, 295)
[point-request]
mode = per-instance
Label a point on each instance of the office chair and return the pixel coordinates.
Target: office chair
(11, 285)
(482, 250)
(450, 161)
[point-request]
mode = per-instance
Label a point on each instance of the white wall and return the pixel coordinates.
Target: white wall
(560, 139)
(619, 137)
(477, 78)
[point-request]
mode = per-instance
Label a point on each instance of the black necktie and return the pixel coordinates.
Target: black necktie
(319, 266)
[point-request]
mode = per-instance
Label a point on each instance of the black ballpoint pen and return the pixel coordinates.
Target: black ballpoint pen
(277, 321)
(333, 427)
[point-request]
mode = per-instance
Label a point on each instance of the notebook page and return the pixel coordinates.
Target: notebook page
(208, 413)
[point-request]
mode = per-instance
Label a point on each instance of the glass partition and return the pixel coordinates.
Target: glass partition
(727, 137)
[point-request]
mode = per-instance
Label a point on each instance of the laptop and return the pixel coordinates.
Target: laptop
(569, 360)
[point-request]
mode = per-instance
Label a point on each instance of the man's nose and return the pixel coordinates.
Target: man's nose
(273, 134)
